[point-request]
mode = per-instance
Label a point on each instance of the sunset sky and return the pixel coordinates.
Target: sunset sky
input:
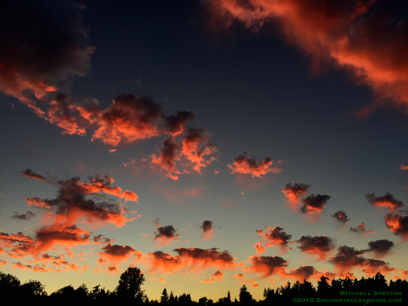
(211, 143)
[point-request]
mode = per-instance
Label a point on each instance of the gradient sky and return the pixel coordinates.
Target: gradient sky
(265, 140)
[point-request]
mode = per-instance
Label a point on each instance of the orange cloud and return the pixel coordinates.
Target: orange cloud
(267, 265)
(130, 119)
(356, 36)
(164, 262)
(3, 262)
(397, 224)
(35, 268)
(254, 284)
(294, 192)
(17, 245)
(111, 269)
(386, 200)
(37, 202)
(317, 245)
(72, 195)
(130, 162)
(404, 166)
(218, 274)
(210, 280)
(361, 229)
(97, 184)
(239, 276)
(244, 164)
(59, 112)
(259, 248)
(274, 237)
(71, 206)
(196, 146)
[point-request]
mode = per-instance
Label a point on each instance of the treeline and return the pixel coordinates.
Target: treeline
(129, 290)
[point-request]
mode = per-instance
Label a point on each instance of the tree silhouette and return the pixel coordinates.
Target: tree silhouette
(129, 291)
(9, 284)
(129, 284)
(244, 296)
(164, 297)
(172, 300)
(322, 285)
(184, 299)
(306, 288)
(202, 301)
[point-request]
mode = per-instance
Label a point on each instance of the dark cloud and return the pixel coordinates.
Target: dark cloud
(381, 247)
(207, 228)
(206, 255)
(302, 273)
(31, 174)
(58, 233)
(190, 258)
(361, 229)
(27, 216)
(314, 203)
(72, 206)
(275, 236)
(169, 154)
(218, 274)
(101, 240)
(386, 200)
(167, 232)
(372, 266)
(340, 216)
(115, 252)
(347, 257)
(44, 45)
(175, 124)
(267, 265)
(317, 245)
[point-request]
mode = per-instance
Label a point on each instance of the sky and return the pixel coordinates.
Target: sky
(210, 143)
